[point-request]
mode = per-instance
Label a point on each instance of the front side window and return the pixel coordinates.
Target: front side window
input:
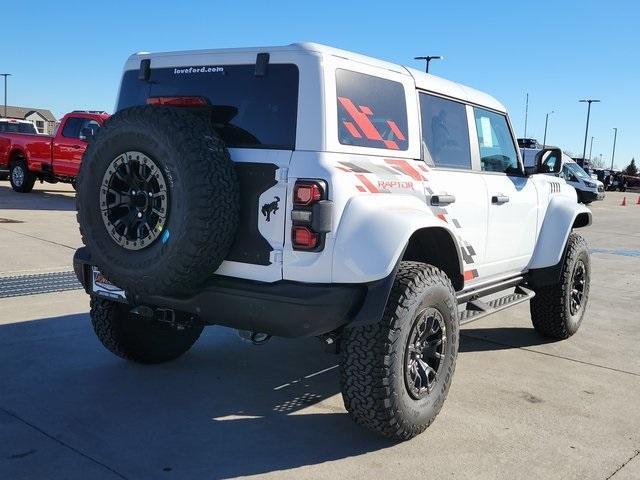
(445, 132)
(72, 127)
(372, 111)
(497, 151)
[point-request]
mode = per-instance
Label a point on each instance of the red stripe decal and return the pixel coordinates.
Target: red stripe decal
(366, 110)
(361, 188)
(365, 181)
(442, 217)
(361, 119)
(352, 129)
(394, 128)
(406, 168)
(391, 144)
(344, 169)
(468, 275)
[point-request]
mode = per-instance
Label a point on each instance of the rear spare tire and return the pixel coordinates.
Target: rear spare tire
(157, 200)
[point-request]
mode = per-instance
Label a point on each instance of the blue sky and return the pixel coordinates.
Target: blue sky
(69, 54)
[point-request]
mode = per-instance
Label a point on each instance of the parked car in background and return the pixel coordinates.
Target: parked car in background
(587, 188)
(27, 156)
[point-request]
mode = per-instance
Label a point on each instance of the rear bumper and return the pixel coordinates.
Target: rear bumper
(284, 308)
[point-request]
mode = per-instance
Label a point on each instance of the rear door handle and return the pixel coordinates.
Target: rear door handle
(499, 199)
(444, 199)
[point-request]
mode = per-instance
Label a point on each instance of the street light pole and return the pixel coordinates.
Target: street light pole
(546, 121)
(586, 130)
(428, 59)
(5, 75)
(526, 115)
(590, 148)
(615, 137)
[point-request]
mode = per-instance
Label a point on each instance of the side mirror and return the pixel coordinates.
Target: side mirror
(549, 160)
(86, 134)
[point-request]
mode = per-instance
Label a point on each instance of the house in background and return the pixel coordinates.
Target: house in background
(44, 120)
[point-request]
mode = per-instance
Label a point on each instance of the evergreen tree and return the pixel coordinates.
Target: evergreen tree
(631, 168)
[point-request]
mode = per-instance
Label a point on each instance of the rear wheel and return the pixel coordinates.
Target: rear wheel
(557, 310)
(22, 180)
(396, 373)
(138, 339)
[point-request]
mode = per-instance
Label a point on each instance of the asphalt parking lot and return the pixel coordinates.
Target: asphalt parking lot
(520, 406)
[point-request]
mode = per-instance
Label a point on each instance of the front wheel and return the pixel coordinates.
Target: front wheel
(22, 180)
(396, 373)
(141, 340)
(557, 310)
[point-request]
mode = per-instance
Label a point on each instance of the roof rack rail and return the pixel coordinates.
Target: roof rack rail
(97, 112)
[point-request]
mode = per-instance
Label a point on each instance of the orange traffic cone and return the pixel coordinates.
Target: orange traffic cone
(624, 202)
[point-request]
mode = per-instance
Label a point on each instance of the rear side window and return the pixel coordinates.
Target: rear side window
(497, 150)
(372, 111)
(445, 132)
(72, 127)
(18, 127)
(249, 111)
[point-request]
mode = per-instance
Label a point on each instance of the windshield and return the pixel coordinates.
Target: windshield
(577, 171)
(248, 110)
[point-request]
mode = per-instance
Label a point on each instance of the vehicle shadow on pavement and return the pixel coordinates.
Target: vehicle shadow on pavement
(485, 339)
(225, 409)
(36, 200)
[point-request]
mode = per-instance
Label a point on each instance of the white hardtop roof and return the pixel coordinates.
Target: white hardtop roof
(423, 80)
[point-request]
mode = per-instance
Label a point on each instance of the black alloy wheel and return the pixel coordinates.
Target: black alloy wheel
(134, 200)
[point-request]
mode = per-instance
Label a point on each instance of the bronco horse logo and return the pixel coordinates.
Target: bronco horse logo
(270, 208)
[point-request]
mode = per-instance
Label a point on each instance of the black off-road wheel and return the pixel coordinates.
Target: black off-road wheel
(557, 310)
(22, 180)
(157, 200)
(396, 373)
(138, 339)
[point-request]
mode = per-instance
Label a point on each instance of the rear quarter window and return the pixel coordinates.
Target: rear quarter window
(249, 111)
(372, 111)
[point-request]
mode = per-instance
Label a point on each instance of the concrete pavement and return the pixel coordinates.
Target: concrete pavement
(520, 406)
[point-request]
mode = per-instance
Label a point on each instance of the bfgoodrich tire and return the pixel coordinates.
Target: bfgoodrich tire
(157, 200)
(135, 338)
(557, 310)
(21, 179)
(395, 374)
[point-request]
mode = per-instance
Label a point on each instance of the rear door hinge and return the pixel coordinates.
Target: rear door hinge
(277, 257)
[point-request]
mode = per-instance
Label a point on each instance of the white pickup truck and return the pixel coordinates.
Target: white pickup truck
(308, 191)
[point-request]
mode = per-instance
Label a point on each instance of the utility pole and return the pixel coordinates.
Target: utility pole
(526, 114)
(586, 130)
(5, 75)
(615, 137)
(428, 59)
(590, 148)
(546, 121)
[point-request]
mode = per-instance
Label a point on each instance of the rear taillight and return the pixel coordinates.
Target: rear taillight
(177, 101)
(306, 193)
(311, 215)
(304, 238)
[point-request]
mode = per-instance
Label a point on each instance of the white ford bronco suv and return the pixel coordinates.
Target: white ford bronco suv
(304, 191)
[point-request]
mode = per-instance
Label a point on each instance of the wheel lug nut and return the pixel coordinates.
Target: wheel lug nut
(139, 214)
(133, 192)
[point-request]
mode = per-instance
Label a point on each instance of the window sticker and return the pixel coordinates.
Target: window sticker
(487, 137)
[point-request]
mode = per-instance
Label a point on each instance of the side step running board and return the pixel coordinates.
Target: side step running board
(476, 309)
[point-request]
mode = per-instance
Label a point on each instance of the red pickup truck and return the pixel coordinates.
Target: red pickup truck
(29, 157)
